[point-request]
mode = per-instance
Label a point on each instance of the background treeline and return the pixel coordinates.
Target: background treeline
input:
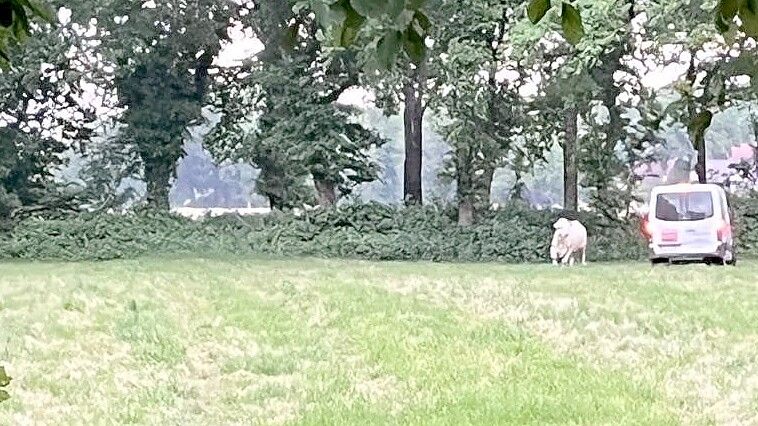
(320, 102)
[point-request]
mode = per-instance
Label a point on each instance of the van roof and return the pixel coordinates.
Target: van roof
(687, 187)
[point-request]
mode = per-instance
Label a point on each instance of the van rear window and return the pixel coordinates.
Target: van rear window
(684, 206)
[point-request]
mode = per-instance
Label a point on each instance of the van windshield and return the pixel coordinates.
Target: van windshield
(683, 206)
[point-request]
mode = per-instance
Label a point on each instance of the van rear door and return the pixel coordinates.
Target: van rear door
(686, 219)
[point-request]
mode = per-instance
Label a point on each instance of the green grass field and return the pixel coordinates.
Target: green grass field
(209, 342)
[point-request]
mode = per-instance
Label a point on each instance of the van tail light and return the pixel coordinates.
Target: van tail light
(724, 231)
(647, 232)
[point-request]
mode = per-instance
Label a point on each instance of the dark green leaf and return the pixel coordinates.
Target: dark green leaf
(749, 18)
(414, 45)
(4, 379)
(328, 16)
(745, 64)
(40, 9)
(369, 8)
(395, 8)
(4, 396)
(338, 11)
(6, 14)
(289, 39)
(422, 20)
(351, 26)
(388, 48)
(721, 25)
(20, 22)
(728, 9)
(571, 21)
(403, 20)
(414, 4)
(700, 122)
(537, 10)
(348, 35)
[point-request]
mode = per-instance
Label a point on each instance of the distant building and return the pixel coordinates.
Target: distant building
(681, 168)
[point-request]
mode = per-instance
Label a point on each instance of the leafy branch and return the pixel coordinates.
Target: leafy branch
(15, 22)
(405, 26)
(4, 382)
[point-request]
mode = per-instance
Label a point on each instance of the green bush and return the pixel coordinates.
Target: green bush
(514, 234)
(746, 224)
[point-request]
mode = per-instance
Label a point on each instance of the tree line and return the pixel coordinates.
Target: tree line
(121, 83)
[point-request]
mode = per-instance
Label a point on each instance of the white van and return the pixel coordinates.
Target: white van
(689, 222)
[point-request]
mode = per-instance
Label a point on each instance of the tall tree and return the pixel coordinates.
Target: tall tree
(405, 90)
(286, 119)
(401, 72)
(161, 105)
(577, 66)
(478, 89)
(163, 54)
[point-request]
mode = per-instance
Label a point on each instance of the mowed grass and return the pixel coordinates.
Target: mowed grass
(256, 341)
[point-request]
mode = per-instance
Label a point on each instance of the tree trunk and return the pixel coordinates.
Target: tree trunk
(466, 211)
(465, 187)
(605, 77)
(697, 133)
(487, 177)
(327, 195)
(701, 167)
(413, 120)
(517, 193)
(157, 179)
(570, 173)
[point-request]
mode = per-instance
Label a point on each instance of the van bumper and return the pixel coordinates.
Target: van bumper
(681, 254)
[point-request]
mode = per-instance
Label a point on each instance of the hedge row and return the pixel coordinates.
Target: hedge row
(746, 225)
(366, 231)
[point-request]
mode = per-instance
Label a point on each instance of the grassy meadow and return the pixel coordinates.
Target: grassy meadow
(314, 342)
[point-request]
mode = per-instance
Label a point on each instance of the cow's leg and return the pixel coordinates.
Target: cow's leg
(572, 259)
(584, 256)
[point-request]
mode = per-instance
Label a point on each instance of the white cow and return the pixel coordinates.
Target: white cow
(569, 238)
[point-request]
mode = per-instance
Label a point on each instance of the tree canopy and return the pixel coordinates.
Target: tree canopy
(509, 87)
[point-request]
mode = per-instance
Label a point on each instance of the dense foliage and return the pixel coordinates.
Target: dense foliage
(746, 224)
(368, 231)
(513, 234)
